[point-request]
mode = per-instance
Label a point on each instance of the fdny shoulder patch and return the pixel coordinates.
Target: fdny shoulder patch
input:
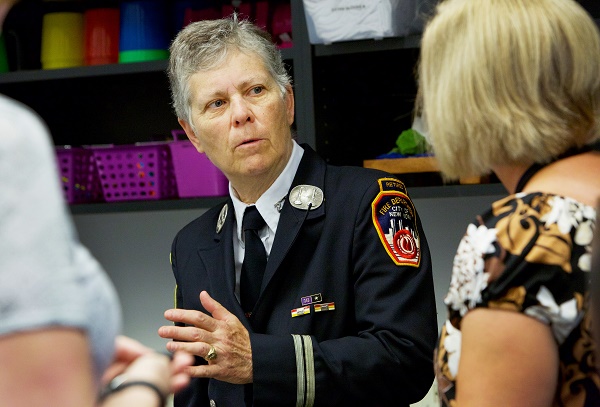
(394, 217)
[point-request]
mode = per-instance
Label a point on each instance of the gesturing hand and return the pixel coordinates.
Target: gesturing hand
(138, 362)
(222, 330)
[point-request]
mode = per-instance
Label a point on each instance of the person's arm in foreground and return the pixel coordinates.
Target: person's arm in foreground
(507, 359)
(52, 367)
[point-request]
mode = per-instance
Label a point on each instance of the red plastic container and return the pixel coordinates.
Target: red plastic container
(196, 175)
(135, 172)
(78, 175)
(101, 36)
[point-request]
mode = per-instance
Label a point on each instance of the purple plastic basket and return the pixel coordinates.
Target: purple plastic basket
(78, 175)
(135, 172)
(196, 175)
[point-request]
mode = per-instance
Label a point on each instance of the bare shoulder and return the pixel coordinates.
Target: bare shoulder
(575, 177)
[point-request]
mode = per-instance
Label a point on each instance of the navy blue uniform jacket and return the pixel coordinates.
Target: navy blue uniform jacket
(375, 348)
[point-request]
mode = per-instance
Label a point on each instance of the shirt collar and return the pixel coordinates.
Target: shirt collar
(268, 202)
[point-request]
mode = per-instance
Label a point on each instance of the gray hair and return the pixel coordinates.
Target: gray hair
(204, 45)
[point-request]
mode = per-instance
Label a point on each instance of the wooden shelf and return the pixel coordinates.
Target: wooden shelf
(403, 165)
(415, 165)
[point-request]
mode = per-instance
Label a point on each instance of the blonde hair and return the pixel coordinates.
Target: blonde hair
(508, 81)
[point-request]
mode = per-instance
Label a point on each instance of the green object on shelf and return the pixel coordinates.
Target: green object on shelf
(410, 142)
(140, 55)
(3, 56)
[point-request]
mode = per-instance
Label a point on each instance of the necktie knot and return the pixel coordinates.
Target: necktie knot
(252, 219)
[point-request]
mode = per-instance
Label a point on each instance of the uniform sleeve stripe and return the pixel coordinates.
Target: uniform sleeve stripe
(299, 371)
(175, 296)
(310, 370)
(305, 371)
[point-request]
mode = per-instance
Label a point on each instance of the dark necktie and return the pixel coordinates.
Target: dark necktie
(255, 259)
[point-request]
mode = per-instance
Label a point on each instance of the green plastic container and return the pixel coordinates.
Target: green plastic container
(139, 55)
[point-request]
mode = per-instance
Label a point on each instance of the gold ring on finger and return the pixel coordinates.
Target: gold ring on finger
(212, 353)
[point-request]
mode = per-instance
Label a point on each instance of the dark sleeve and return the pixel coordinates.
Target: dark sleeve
(389, 362)
(196, 394)
(392, 355)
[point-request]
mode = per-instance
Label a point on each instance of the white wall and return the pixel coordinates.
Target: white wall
(134, 249)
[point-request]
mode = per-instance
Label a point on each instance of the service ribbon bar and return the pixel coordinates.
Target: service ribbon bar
(296, 312)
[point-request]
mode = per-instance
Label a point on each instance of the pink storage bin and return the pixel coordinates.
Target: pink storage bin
(135, 172)
(282, 25)
(196, 175)
(78, 175)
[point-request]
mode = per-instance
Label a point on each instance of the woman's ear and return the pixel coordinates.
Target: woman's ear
(191, 134)
(289, 102)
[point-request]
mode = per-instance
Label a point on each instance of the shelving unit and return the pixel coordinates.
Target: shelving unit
(137, 206)
(362, 46)
(95, 71)
(352, 100)
(429, 192)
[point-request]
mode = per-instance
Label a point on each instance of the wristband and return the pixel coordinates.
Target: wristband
(120, 383)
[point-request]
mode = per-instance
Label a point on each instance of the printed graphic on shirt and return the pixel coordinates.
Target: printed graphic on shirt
(394, 217)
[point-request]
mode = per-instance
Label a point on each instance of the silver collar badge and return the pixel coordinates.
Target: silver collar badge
(303, 196)
(222, 217)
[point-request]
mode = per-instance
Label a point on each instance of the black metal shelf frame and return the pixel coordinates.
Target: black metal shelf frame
(433, 192)
(95, 71)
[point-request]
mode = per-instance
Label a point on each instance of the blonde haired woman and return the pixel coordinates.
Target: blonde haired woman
(513, 87)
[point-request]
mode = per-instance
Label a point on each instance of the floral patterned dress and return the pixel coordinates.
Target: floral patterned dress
(531, 253)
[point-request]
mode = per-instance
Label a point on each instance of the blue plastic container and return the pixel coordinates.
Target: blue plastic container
(144, 32)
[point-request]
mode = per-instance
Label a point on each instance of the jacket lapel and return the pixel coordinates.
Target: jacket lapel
(217, 257)
(311, 171)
